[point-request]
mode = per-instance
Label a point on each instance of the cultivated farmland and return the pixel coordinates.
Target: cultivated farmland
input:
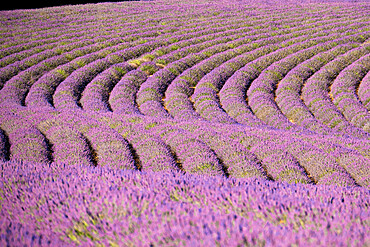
(200, 123)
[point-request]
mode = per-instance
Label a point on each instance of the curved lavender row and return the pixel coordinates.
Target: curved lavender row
(315, 96)
(97, 21)
(232, 93)
(95, 95)
(356, 164)
(261, 96)
(149, 151)
(26, 142)
(14, 57)
(269, 141)
(343, 91)
(47, 56)
(325, 154)
(280, 164)
(239, 162)
(41, 92)
(16, 88)
(292, 27)
(183, 108)
(56, 205)
(302, 156)
(192, 155)
(206, 90)
(151, 92)
(68, 92)
(33, 73)
(128, 31)
(108, 147)
(208, 87)
(69, 146)
(288, 93)
(122, 98)
(185, 104)
(364, 91)
(332, 150)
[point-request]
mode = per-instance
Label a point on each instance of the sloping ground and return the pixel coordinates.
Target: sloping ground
(262, 91)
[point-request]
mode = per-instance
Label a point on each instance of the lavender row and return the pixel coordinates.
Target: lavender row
(165, 55)
(191, 155)
(95, 95)
(150, 152)
(41, 92)
(288, 94)
(343, 91)
(16, 88)
(69, 146)
(179, 53)
(315, 95)
(232, 93)
(72, 138)
(108, 148)
(261, 96)
(40, 57)
(208, 87)
(364, 91)
(244, 162)
(324, 161)
(122, 98)
(194, 74)
(67, 93)
(45, 87)
(22, 141)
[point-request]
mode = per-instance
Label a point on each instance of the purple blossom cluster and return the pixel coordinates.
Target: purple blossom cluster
(202, 123)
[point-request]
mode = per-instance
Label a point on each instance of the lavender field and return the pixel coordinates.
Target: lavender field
(192, 123)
